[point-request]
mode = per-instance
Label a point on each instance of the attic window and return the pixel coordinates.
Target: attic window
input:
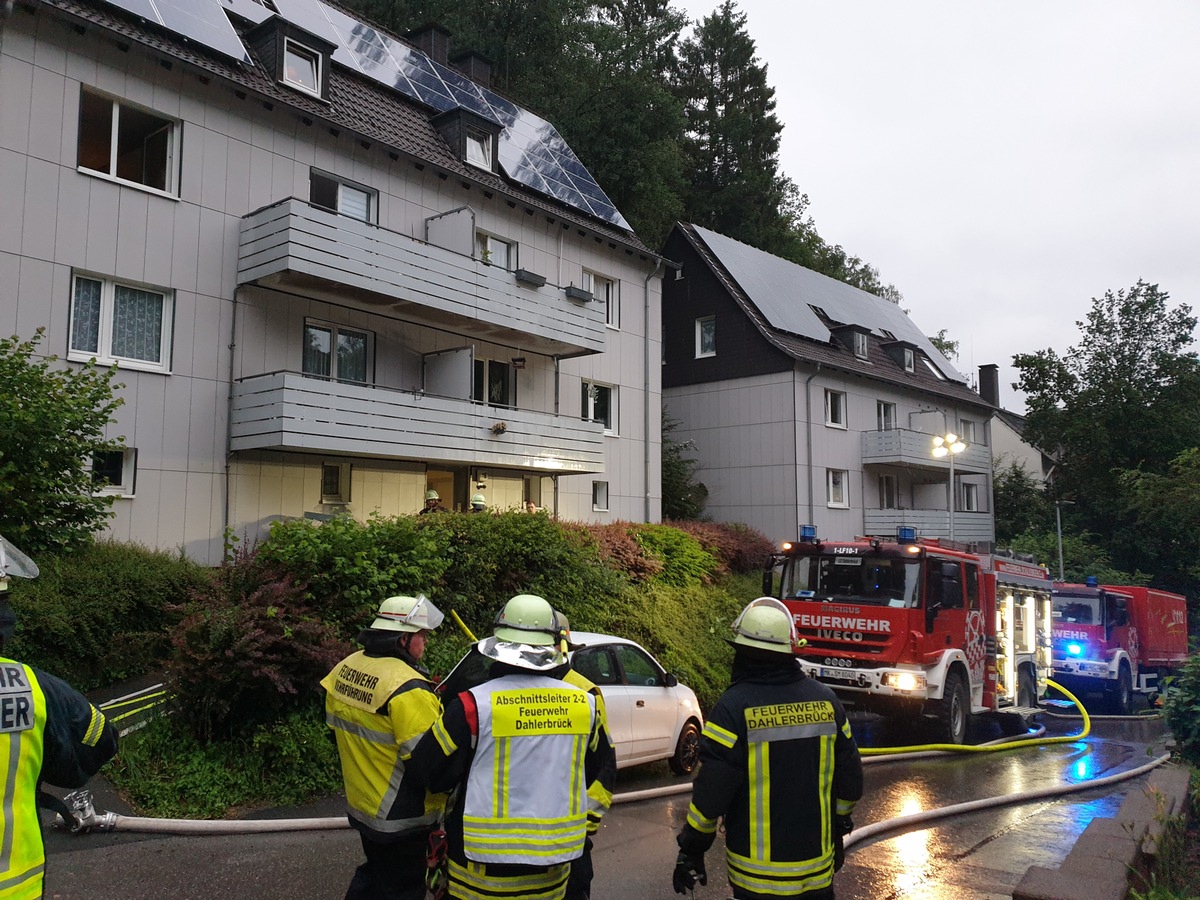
(909, 360)
(932, 368)
(820, 312)
(478, 146)
(860, 344)
(302, 67)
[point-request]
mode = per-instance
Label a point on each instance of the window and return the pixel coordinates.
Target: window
(115, 322)
(494, 383)
(706, 337)
(860, 345)
(596, 664)
(495, 252)
(970, 497)
(598, 403)
(338, 353)
(637, 667)
(127, 144)
(479, 148)
(836, 492)
(344, 197)
(933, 369)
(888, 492)
(885, 413)
(604, 290)
(600, 496)
(115, 472)
(973, 572)
(910, 360)
(335, 482)
(835, 409)
(966, 430)
(301, 67)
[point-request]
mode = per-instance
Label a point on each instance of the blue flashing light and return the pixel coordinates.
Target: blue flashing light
(808, 533)
(1091, 581)
(906, 534)
(1075, 649)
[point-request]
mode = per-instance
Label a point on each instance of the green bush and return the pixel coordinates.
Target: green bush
(740, 548)
(684, 561)
(101, 614)
(1182, 709)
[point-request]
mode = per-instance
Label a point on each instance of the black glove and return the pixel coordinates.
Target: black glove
(688, 870)
(842, 826)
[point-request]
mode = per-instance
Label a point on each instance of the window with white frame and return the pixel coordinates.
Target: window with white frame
(479, 148)
(302, 67)
(885, 414)
(600, 496)
(496, 252)
(341, 196)
(337, 352)
(934, 370)
(889, 497)
(966, 430)
(910, 360)
(604, 290)
(835, 409)
(860, 344)
(113, 321)
(494, 383)
(598, 403)
(970, 497)
(127, 143)
(335, 482)
(837, 488)
(115, 472)
(706, 337)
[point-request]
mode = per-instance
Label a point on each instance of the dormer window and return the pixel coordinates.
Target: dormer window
(479, 148)
(302, 67)
(860, 344)
(299, 59)
(471, 137)
(910, 360)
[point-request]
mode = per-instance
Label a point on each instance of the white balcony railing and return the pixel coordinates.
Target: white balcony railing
(904, 447)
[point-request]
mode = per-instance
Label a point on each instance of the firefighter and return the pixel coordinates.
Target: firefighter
(519, 752)
(478, 503)
(380, 703)
(783, 834)
(433, 503)
(52, 735)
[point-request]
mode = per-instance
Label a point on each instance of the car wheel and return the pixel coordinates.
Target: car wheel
(687, 751)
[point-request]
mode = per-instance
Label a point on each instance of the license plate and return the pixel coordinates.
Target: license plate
(839, 674)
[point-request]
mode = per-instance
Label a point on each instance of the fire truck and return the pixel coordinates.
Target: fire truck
(1116, 640)
(910, 627)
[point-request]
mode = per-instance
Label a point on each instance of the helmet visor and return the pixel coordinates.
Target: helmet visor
(523, 656)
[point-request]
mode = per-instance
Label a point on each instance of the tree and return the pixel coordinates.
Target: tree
(52, 422)
(683, 496)
(1166, 521)
(944, 345)
(1019, 503)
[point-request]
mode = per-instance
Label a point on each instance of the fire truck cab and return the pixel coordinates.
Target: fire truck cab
(917, 628)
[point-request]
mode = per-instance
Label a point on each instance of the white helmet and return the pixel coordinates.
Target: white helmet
(479, 500)
(408, 614)
(431, 494)
(765, 623)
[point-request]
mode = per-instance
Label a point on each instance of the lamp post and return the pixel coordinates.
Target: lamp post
(1058, 505)
(949, 445)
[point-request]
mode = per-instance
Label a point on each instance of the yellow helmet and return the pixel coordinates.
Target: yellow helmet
(765, 623)
(408, 614)
(527, 619)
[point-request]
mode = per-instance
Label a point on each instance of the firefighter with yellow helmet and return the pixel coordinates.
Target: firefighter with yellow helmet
(519, 751)
(783, 834)
(380, 703)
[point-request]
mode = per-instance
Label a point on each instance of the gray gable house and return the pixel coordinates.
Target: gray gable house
(335, 268)
(812, 402)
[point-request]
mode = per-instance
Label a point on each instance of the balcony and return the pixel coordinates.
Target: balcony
(294, 245)
(290, 411)
(903, 447)
(975, 527)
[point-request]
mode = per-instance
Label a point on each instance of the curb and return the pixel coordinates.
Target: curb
(1113, 852)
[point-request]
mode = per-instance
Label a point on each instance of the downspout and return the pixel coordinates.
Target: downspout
(229, 423)
(808, 443)
(658, 264)
(554, 478)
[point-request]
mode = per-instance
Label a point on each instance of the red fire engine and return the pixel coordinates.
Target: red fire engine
(1117, 639)
(910, 627)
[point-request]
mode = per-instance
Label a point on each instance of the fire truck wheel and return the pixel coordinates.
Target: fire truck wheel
(956, 708)
(1026, 691)
(1120, 698)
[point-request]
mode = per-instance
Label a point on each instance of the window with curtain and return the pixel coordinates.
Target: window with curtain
(114, 322)
(598, 403)
(343, 197)
(336, 352)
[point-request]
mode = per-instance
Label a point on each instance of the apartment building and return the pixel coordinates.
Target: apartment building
(334, 267)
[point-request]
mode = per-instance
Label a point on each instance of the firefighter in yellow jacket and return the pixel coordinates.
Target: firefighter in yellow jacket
(520, 751)
(380, 703)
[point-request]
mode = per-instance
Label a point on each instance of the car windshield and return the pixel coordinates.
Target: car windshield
(1075, 610)
(871, 580)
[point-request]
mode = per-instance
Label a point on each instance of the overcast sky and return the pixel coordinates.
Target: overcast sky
(1000, 163)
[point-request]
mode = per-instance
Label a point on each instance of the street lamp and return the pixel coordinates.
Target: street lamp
(1058, 505)
(949, 445)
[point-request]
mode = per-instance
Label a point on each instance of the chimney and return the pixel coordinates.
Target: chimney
(433, 40)
(475, 66)
(989, 383)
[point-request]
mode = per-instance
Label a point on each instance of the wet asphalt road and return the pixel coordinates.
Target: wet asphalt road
(978, 855)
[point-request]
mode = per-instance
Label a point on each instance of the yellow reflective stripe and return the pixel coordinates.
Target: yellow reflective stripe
(473, 882)
(823, 786)
(721, 735)
(442, 736)
(845, 807)
(780, 879)
(500, 776)
(95, 728)
(846, 729)
(759, 808)
(578, 793)
(699, 821)
(600, 797)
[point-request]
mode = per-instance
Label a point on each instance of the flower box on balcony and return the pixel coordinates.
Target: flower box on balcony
(577, 293)
(531, 278)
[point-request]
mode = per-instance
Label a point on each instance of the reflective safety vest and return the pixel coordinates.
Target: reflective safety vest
(22, 727)
(526, 800)
(379, 708)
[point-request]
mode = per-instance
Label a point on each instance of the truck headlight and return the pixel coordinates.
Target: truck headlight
(904, 681)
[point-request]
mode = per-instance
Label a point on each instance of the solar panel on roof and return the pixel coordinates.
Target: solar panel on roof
(202, 21)
(249, 9)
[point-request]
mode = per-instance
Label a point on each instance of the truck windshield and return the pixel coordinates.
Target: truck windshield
(1075, 610)
(873, 580)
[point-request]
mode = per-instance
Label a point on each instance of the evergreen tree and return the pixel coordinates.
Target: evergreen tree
(683, 496)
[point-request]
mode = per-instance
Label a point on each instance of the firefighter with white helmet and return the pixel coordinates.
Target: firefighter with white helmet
(380, 703)
(433, 503)
(478, 503)
(783, 836)
(520, 752)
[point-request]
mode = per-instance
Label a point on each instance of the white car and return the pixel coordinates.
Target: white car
(651, 716)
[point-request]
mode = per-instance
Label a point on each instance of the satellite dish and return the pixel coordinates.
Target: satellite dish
(14, 563)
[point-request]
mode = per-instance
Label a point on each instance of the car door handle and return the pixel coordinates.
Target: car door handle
(641, 703)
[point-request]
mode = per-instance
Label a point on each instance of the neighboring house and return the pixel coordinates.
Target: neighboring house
(1009, 446)
(813, 402)
(334, 270)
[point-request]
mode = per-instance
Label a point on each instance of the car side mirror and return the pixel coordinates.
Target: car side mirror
(670, 680)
